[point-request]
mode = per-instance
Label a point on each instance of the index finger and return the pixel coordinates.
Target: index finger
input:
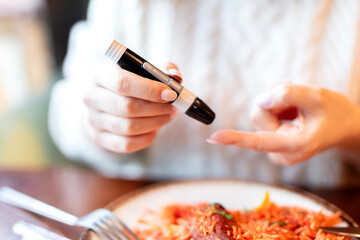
(130, 84)
(173, 71)
(262, 141)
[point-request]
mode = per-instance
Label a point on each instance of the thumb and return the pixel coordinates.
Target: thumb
(288, 95)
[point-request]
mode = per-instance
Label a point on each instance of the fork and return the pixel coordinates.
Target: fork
(102, 221)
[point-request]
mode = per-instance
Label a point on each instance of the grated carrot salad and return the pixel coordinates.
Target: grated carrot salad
(213, 221)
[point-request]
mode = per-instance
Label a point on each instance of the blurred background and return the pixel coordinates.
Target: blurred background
(33, 44)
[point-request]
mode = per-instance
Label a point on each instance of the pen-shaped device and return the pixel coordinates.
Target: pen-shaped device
(186, 101)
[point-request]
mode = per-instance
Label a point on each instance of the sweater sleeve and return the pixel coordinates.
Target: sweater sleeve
(87, 44)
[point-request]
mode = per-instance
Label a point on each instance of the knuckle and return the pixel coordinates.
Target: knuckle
(115, 126)
(153, 91)
(131, 127)
(122, 83)
(91, 119)
(96, 136)
(91, 96)
(114, 146)
(117, 105)
(257, 146)
(150, 93)
(87, 99)
(125, 127)
(306, 147)
(129, 147)
(91, 132)
(130, 107)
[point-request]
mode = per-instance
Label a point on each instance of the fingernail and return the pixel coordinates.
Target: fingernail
(168, 95)
(173, 71)
(263, 100)
(212, 141)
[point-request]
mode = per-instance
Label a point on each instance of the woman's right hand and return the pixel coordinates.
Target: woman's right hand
(124, 110)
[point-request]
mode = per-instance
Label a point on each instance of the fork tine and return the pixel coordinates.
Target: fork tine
(115, 231)
(118, 229)
(130, 232)
(100, 234)
(101, 231)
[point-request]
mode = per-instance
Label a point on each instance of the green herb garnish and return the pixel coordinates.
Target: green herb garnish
(212, 205)
(278, 223)
(223, 213)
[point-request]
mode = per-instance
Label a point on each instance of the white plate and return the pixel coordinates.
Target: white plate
(232, 194)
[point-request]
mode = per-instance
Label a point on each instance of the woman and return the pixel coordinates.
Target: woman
(230, 53)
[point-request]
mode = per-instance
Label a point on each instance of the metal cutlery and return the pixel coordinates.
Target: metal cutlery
(101, 221)
(345, 231)
(30, 231)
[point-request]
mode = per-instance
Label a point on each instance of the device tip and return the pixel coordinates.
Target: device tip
(201, 112)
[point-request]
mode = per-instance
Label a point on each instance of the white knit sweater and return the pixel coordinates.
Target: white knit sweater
(229, 51)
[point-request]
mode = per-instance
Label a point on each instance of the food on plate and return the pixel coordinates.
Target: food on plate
(214, 221)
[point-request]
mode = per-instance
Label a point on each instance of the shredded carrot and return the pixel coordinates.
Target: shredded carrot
(208, 221)
(212, 227)
(265, 201)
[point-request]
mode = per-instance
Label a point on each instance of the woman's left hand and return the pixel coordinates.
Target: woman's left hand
(296, 122)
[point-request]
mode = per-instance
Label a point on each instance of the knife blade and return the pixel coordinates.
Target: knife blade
(345, 231)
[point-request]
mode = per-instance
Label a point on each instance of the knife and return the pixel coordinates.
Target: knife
(32, 232)
(345, 231)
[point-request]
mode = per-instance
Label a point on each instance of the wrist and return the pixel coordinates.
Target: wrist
(351, 140)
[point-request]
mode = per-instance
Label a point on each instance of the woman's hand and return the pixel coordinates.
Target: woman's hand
(296, 122)
(125, 111)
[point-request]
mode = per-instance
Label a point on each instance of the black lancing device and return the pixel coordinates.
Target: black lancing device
(186, 101)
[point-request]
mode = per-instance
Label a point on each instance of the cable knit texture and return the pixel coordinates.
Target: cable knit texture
(228, 52)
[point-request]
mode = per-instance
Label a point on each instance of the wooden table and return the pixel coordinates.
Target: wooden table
(79, 192)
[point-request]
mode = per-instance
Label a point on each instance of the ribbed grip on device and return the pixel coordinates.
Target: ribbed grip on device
(115, 51)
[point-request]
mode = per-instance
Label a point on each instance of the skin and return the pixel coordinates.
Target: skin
(323, 119)
(124, 111)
